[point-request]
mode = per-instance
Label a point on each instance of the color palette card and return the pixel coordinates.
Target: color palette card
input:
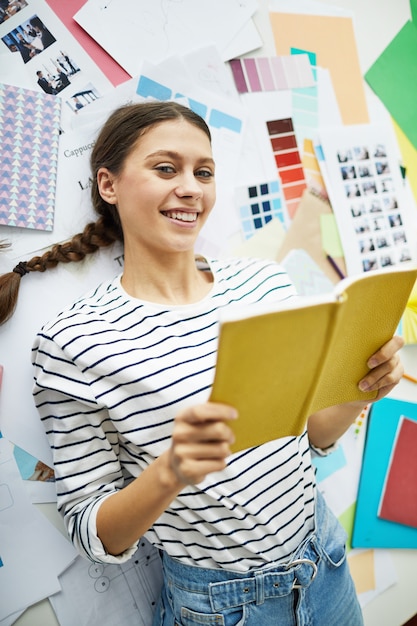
(272, 73)
(259, 204)
(288, 161)
(29, 140)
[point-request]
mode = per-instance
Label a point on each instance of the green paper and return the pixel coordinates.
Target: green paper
(347, 519)
(413, 9)
(330, 236)
(393, 79)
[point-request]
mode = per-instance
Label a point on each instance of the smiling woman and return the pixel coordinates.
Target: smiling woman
(122, 379)
(163, 199)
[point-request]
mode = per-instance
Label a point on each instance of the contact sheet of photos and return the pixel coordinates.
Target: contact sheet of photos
(368, 194)
(40, 54)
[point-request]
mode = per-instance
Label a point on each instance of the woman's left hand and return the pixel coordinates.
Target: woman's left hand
(386, 369)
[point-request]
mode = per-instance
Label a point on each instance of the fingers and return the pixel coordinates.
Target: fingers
(386, 352)
(386, 368)
(201, 441)
(208, 412)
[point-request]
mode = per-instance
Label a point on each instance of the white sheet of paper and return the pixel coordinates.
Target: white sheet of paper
(340, 487)
(248, 39)
(33, 552)
(10, 619)
(207, 70)
(40, 299)
(155, 31)
(328, 107)
(385, 576)
(110, 594)
(309, 7)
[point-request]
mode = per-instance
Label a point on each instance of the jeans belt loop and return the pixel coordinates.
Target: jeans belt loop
(259, 587)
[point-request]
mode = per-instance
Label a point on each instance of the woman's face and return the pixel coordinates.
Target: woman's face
(166, 189)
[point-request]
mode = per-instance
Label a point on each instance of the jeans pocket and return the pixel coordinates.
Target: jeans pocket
(194, 618)
(229, 617)
(333, 543)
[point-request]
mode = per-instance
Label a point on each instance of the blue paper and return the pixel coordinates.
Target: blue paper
(370, 531)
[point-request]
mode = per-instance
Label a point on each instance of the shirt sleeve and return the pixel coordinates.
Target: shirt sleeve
(84, 443)
(323, 451)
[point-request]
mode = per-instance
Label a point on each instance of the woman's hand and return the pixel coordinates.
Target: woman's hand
(386, 369)
(201, 441)
(326, 426)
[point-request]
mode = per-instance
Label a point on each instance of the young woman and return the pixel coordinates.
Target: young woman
(122, 380)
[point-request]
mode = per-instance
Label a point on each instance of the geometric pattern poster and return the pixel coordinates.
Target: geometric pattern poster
(29, 141)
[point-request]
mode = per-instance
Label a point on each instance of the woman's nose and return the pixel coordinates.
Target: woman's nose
(189, 186)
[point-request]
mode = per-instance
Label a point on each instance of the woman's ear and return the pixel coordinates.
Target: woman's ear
(105, 185)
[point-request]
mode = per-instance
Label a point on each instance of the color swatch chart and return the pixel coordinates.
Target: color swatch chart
(305, 103)
(288, 161)
(272, 73)
(259, 204)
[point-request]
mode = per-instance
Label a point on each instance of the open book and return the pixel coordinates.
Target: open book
(279, 363)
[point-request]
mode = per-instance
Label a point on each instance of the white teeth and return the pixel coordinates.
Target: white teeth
(182, 216)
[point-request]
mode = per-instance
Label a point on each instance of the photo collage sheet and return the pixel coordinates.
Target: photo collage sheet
(38, 53)
(366, 185)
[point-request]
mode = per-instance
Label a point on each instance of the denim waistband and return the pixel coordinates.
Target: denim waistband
(227, 588)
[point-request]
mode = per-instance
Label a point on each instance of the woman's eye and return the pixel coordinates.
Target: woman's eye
(204, 174)
(166, 169)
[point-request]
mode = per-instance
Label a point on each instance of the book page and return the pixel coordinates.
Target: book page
(369, 318)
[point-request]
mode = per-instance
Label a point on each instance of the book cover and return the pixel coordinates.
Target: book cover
(398, 501)
(369, 529)
(278, 364)
(29, 132)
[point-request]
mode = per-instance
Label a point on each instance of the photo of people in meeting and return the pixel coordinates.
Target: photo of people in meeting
(29, 38)
(8, 8)
(54, 71)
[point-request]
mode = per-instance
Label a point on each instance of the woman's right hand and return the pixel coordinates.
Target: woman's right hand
(201, 441)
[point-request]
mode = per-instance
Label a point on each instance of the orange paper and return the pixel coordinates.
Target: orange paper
(333, 41)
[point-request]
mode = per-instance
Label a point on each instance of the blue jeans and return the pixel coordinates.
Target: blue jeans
(314, 588)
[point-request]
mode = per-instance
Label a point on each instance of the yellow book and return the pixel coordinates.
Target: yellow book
(279, 363)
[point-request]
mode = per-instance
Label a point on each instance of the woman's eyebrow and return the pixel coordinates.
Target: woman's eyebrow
(176, 155)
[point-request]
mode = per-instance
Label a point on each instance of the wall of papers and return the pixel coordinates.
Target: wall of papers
(316, 157)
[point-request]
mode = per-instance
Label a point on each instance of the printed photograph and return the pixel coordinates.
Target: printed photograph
(8, 8)
(29, 39)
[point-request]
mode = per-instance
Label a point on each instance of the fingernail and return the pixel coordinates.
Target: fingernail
(363, 385)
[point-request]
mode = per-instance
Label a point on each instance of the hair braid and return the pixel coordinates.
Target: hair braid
(94, 236)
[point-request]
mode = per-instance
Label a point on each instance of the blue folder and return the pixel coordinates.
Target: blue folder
(370, 531)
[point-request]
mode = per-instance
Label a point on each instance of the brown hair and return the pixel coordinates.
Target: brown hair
(114, 143)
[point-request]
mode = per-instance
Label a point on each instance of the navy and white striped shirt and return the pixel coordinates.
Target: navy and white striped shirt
(111, 373)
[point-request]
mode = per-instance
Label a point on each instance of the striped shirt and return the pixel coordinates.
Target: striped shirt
(111, 372)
